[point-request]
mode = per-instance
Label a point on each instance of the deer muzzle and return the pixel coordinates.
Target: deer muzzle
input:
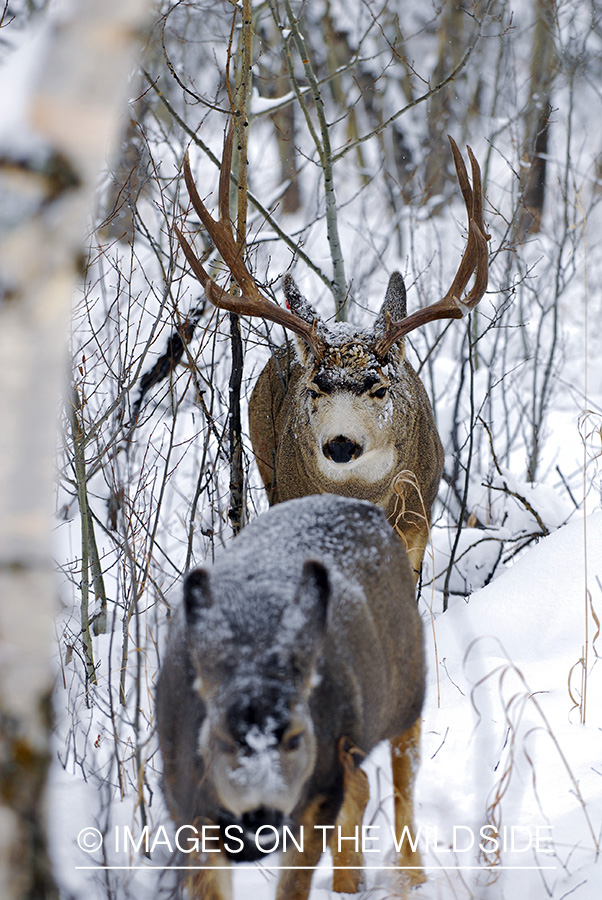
(342, 449)
(258, 830)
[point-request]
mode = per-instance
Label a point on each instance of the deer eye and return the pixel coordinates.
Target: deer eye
(313, 393)
(293, 742)
(379, 392)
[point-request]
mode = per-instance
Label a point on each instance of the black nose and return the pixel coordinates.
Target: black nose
(342, 450)
(255, 846)
(254, 820)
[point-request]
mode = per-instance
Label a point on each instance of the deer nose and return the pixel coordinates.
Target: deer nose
(342, 449)
(260, 817)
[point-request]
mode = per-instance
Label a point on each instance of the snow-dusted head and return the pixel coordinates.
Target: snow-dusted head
(347, 395)
(255, 674)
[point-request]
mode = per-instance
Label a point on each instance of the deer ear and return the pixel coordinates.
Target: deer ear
(197, 595)
(313, 596)
(301, 307)
(393, 308)
(394, 303)
(297, 303)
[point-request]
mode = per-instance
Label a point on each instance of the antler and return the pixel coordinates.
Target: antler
(451, 306)
(251, 302)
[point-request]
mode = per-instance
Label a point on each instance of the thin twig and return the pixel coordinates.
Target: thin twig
(339, 154)
(261, 209)
(324, 149)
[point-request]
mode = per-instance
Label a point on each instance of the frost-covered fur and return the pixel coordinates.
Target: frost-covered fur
(349, 423)
(301, 638)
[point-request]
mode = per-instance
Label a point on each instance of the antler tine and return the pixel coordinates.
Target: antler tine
(251, 302)
(221, 231)
(475, 257)
(475, 253)
(462, 175)
(477, 190)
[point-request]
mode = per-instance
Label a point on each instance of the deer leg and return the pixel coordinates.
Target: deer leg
(345, 853)
(214, 883)
(415, 541)
(294, 884)
(416, 554)
(405, 757)
(409, 519)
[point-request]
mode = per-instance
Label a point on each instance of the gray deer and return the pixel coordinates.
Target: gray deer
(347, 414)
(289, 659)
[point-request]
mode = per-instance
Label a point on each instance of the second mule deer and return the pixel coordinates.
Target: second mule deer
(347, 414)
(290, 658)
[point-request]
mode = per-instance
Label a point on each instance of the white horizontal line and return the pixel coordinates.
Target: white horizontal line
(303, 868)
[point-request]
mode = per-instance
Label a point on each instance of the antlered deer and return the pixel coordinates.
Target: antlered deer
(347, 414)
(290, 658)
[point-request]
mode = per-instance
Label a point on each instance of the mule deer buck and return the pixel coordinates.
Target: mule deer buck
(290, 658)
(347, 414)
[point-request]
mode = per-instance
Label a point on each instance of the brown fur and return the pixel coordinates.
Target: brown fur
(346, 880)
(389, 453)
(338, 362)
(306, 628)
(285, 452)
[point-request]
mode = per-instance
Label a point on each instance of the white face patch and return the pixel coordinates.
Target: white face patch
(263, 773)
(254, 780)
(264, 777)
(362, 421)
(371, 467)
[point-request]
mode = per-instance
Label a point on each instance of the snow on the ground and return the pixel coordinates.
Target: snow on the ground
(502, 747)
(507, 729)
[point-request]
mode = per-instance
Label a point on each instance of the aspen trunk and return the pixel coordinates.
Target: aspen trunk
(537, 121)
(451, 47)
(72, 119)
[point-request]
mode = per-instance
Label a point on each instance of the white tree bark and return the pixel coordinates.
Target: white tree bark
(47, 187)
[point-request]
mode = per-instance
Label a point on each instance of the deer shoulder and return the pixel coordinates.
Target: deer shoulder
(269, 410)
